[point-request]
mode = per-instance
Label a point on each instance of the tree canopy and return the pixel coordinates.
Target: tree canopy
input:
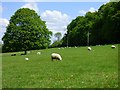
(103, 27)
(26, 31)
(58, 35)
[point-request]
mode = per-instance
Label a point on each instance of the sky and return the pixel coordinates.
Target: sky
(56, 14)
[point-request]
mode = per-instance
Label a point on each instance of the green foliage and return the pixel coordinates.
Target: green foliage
(56, 44)
(26, 31)
(58, 36)
(79, 68)
(77, 31)
(110, 28)
(103, 26)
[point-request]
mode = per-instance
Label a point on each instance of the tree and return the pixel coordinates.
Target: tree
(58, 36)
(77, 33)
(26, 31)
(101, 27)
(111, 22)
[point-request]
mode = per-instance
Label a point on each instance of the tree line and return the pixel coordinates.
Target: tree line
(26, 30)
(102, 27)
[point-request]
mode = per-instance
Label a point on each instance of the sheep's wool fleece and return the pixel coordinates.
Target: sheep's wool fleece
(113, 46)
(89, 48)
(56, 55)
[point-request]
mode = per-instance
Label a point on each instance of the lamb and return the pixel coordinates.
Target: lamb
(89, 48)
(56, 56)
(113, 46)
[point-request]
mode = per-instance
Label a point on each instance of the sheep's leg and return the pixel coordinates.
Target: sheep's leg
(51, 59)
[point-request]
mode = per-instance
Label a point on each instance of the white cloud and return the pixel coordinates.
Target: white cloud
(56, 21)
(31, 5)
(3, 23)
(83, 12)
(92, 9)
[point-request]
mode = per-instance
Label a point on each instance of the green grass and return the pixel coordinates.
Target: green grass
(79, 68)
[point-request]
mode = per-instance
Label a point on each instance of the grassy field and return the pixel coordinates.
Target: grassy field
(79, 68)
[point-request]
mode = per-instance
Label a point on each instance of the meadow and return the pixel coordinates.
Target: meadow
(79, 68)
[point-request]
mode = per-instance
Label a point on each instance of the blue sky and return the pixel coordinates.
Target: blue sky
(70, 8)
(56, 14)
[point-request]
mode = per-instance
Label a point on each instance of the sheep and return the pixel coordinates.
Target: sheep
(56, 56)
(75, 47)
(113, 46)
(26, 58)
(38, 52)
(89, 48)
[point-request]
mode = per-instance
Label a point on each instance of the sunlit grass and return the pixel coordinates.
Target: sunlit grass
(79, 68)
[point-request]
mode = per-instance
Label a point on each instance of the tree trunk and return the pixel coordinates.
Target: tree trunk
(25, 52)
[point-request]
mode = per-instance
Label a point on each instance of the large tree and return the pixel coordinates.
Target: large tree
(26, 31)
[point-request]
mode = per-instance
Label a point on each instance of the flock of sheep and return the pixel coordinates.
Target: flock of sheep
(56, 56)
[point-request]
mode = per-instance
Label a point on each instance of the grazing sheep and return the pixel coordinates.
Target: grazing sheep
(56, 56)
(89, 48)
(113, 46)
(26, 58)
(75, 47)
(13, 54)
(39, 53)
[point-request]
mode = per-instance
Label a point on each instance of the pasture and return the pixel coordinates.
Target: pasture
(79, 68)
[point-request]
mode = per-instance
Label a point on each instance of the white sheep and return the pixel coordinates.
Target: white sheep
(56, 56)
(89, 48)
(113, 46)
(39, 53)
(26, 58)
(75, 47)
